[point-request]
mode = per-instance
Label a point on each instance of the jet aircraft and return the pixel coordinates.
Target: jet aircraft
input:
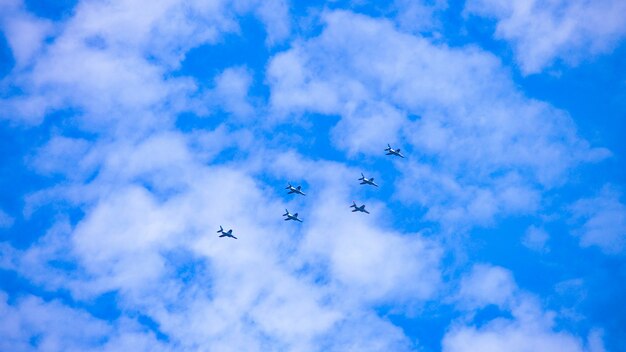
(356, 208)
(293, 189)
(367, 181)
(391, 151)
(226, 234)
(291, 216)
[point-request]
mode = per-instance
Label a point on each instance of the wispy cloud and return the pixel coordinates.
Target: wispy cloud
(601, 221)
(536, 239)
(522, 324)
(146, 196)
(457, 109)
(6, 220)
(542, 32)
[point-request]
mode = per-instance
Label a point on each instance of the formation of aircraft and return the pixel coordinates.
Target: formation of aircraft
(291, 216)
(293, 189)
(357, 208)
(367, 181)
(391, 151)
(298, 190)
(226, 234)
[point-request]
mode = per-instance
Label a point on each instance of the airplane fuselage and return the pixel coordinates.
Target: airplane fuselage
(291, 216)
(295, 218)
(360, 209)
(228, 233)
(368, 182)
(391, 151)
(297, 190)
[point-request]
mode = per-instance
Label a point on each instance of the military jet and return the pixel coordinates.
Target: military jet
(293, 189)
(356, 208)
(226, 234)
(367, 181)
(391, 151)
(291, 216)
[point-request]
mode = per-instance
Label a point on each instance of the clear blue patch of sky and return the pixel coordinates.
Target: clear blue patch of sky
(428, 326)
(6, 57)
(152, 326)
(51, 9)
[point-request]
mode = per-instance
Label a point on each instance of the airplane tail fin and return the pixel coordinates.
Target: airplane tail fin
(221, 230)
(286, 212)
(362, 176)
(289, 186)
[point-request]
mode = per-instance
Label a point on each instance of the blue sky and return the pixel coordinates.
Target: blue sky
(132, 130)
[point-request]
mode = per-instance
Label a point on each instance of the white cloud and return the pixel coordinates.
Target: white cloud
(522, 326)
(275, 15)
(418, 15)
(60, 154)
(153, 208)
(33, 324)
(153, 197)
(515, 336)
(486, 285)
(601, 221)
(536, 238)
(595, 342)
(6, 220)
(113, 60)
(544, 31)
(24, 32)
(468, 130)
(152, 204)
(231, 91)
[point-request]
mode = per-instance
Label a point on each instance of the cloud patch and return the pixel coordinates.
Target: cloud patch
(602, 221)
(543, 32)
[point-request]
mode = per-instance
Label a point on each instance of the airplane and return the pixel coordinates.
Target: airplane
(391, 151)
(226, 234)
(291, 216)
(367, 181)
(361, 208)
(293, 189)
